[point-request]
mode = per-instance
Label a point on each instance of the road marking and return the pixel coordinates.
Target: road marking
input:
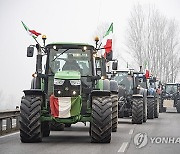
(131, 131)
(123, 147)
(9, 135)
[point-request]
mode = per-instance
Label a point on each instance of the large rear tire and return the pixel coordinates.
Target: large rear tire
(45, 127)
(145, 109)
(121, 109)
(160, 104)
(156, 108)
(114, 99)
(101, 123)
(137, 111)
(150, 108)
(178, 106)
(30, 124)
(55, 126)
(67, 125)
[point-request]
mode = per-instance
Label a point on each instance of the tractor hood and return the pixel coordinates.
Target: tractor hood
(68, 75)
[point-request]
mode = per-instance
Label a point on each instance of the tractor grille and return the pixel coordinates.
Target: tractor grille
(66, 90)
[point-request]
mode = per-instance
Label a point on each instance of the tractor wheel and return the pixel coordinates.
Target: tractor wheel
(45, 127)
(145, 110)
(150, 108)
(120, 109)
(114, 99)
(67, 125)
(137, 111)
(30, 124)
(101, 123)
(156, 108)
(160, 105)
(178, 106)
(55, 126)
(162, 109)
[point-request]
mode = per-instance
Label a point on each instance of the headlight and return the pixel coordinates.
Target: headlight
(58, 82)
(75, 82)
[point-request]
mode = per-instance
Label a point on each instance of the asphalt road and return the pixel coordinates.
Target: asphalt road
(75, 140)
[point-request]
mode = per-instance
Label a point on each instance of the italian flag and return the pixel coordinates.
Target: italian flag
(147, 73)
(107, 41)
(33, 33)
(65, 107)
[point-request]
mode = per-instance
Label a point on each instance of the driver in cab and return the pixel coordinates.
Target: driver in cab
(71, 64)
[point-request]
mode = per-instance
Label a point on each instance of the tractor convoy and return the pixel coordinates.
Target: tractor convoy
(74, 86)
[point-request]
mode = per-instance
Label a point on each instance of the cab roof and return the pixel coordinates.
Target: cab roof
(71, 45)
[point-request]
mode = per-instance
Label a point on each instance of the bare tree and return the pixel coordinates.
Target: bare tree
(153, 40)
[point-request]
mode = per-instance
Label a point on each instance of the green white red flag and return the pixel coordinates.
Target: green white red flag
(64, 107)
(32, 33)
(107, 41)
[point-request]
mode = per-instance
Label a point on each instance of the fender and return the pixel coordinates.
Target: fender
(103, 84)
(150, 96)
(137, 96)
(38, 92)
(113, 86)
(100, 93)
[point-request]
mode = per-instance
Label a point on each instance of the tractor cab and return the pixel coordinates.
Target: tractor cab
(170, 90)
(125, 80)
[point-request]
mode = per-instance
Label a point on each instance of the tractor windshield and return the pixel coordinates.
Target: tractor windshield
(124, 80)
(71, 60)
(171, 89)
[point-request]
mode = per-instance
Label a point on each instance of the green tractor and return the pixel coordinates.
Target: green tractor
(72, 88)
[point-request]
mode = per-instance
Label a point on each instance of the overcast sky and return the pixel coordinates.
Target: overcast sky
(63, 21)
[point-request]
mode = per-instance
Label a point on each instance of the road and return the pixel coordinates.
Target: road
(75, 140)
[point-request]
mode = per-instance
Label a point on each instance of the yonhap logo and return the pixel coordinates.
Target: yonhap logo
(140, 140)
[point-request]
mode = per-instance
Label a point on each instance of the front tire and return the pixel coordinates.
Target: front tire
(101, 123)
(150, 108)
(114, 99)
(178, 106)
(30, 124)
(156, 108)
(137, 111)
(145, 109)
(45, 127)
(55, 126)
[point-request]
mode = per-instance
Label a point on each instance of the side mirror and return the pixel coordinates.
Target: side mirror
(30, 51)
(114, 65)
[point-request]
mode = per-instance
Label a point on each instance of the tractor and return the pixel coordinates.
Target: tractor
(170, 96)
(71, 88)
(132, 95)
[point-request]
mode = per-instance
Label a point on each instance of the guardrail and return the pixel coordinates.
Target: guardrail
(9, 121)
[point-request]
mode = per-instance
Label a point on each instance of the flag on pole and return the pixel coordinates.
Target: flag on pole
(107, 42)
(147, 73)
(33, 33)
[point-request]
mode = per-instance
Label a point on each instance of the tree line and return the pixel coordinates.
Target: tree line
(153, 40)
